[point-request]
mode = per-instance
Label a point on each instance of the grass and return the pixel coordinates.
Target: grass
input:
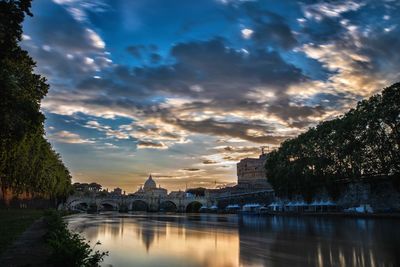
(13, 222)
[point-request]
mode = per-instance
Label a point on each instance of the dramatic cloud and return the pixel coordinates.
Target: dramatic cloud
(153, 86)
(208, 161)
(362, 60)
(335, 9)
(148, 144)
(239, 149)
(250, 131)
(69, 138)
(270, 28)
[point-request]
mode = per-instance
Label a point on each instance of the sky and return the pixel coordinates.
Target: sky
(185, 89)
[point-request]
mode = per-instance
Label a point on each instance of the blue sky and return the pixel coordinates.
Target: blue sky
(184, 89)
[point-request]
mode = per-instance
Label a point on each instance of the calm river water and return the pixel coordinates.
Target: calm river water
(231, 240)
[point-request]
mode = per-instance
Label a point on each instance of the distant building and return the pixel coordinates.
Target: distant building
(150, 189)
(80, 187)
(94, 187)
(85, 187)
(117, 191)
(251, 177)
(251, 173)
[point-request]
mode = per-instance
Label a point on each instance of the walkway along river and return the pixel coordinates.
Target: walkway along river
(234, 240)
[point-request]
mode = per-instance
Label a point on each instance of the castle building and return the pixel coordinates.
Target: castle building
(251, 177)
(251, 173)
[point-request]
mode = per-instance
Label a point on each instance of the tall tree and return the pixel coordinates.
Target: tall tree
(27, 161)
(21, 89)
(363, 143)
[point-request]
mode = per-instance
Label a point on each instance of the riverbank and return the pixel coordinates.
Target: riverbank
(30, 248)
(13, 222)
(46, 242)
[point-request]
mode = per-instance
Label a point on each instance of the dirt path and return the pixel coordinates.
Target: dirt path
(29, 249)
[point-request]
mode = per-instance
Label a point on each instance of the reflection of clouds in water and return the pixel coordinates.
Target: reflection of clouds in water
(229, 240)
(154, 240)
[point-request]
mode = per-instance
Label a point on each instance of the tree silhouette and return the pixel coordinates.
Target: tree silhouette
(364, 143)
(27, 161)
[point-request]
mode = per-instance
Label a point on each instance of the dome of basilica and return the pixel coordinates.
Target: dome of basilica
(149, 184)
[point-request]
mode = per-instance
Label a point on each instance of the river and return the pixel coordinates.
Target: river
(188, 240)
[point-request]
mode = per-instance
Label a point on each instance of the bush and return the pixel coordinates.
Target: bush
(68, 248)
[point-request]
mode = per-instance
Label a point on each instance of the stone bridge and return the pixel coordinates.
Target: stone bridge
(137, 203)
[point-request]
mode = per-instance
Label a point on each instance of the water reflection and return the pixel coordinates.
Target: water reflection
(230, 240)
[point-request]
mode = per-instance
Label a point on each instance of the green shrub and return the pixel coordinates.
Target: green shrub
(68, 248)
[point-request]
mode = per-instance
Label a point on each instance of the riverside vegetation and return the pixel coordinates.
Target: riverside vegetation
(68, 248)
(363, 144)
(28, 163)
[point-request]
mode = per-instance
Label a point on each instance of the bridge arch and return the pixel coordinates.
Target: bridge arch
(108, 206)
(193, 206)
(139, 205)
(168, 206)
(79, 205)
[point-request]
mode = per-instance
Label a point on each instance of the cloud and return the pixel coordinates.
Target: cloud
(360, 65)
(69, 138)
(326, 9)
(141, 52)
(95, 39)
(352, 46)
(72, 36)
(209, 161)
(207, 78)
(251, 131)
(149, 144)
(251, 73)
(269, 28)
(223, 72)
(136, 50)
(241, 149)
(235, 153)
(191, 169)
(79, 9)
(66, 49)
(109, 132)
(246, 33)
(155, 58)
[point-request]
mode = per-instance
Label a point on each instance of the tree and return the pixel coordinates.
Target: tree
(364, 142)
(27, 161)
(21, 89)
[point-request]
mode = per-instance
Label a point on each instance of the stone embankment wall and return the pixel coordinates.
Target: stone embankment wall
(381, 195)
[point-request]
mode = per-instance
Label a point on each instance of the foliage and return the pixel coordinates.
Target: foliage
(68, 248)
(21, 89)
(363, 143)
(27, 161)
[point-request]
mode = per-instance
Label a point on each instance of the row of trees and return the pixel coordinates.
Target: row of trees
(28, 164)
(363, 143)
